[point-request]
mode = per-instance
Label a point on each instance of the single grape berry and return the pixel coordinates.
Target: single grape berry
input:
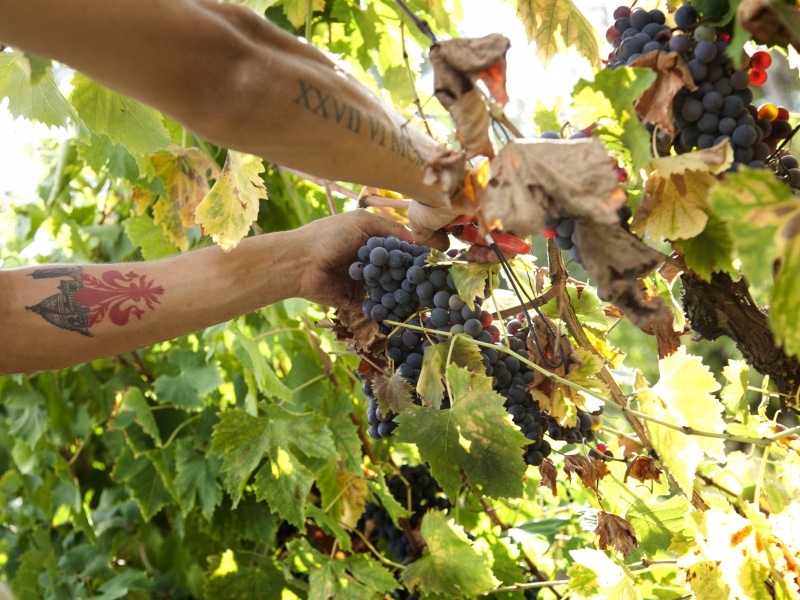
(761, 60)
(758, 77)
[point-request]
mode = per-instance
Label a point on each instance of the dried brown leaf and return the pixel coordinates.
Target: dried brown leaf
(471, 114)
(528, 179)
(616, 259)
(457, 64)
(549, 473)
(667, 339)
(614, 531)
(672, 74)
(445, 170)
(761, 19)
(643, 468)
(588, 469)
(362, 335)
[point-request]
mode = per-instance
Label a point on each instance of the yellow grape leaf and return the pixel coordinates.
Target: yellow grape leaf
(683, 397)
(734, 394)
(557, 25)
(674, 204)
(353, 498)
(185, 173)
(228, 210)
(730, 542)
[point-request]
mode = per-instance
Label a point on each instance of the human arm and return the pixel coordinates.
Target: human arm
(233, 78)
(58, 315)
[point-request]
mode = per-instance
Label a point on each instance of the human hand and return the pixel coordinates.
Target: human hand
(332, 245)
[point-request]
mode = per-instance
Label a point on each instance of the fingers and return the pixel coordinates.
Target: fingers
(483, 254)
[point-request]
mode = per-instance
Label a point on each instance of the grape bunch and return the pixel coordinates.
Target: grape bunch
(720, 108)
(425, 495)
(391, 270)
(437, 307)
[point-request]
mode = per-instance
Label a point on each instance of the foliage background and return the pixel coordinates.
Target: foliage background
(232, 463)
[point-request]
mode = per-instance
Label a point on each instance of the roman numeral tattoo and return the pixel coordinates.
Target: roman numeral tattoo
(84, 300)
(329, 108)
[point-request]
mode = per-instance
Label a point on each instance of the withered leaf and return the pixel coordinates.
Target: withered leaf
(471, 114)
(616, 259)
(643, 468)
(529, 179)
(457, 64)
(549, 473)
(768, 21)
(392, 393)
(362, 335)
(588, 469)
(445, 170)
(614, 531)
(672, 74)
(667, 339)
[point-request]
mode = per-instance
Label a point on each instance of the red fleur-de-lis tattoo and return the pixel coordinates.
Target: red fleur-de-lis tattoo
(84, 300)
(117, 295)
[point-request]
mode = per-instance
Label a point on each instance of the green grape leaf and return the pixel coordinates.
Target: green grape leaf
(264, 581)
(259, 6)
(556, 25)
(330, 526)
(475, 436)
(656, 521)
(759, 211)
(393, 394)
(125, 121)
(99, 151)
(134, 402)
(297, 11)
(245, 441)
(185, 173)
(460, 351)
(119, 585)
(763, 217)
(683, 397)
(197, 479)
(675, 199)
(608, 101)
(356, 577)
(547, 119)
(710, 250)
(785, 300)
(470, 279)
(252, 359)
(149, 237)
(40, 101)
(144, 481)
(36, 67)
(393, 508)
(190, 387)
(734, 393)
(453, 566)
(231, 206)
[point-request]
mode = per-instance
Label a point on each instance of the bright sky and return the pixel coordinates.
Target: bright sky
(21, 169)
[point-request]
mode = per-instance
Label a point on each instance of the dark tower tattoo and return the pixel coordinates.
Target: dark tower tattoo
(62, 310)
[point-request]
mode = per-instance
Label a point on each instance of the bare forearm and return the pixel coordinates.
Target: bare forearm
(233, 78)
(55, 316)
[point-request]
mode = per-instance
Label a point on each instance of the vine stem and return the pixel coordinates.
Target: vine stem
(558, 275)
